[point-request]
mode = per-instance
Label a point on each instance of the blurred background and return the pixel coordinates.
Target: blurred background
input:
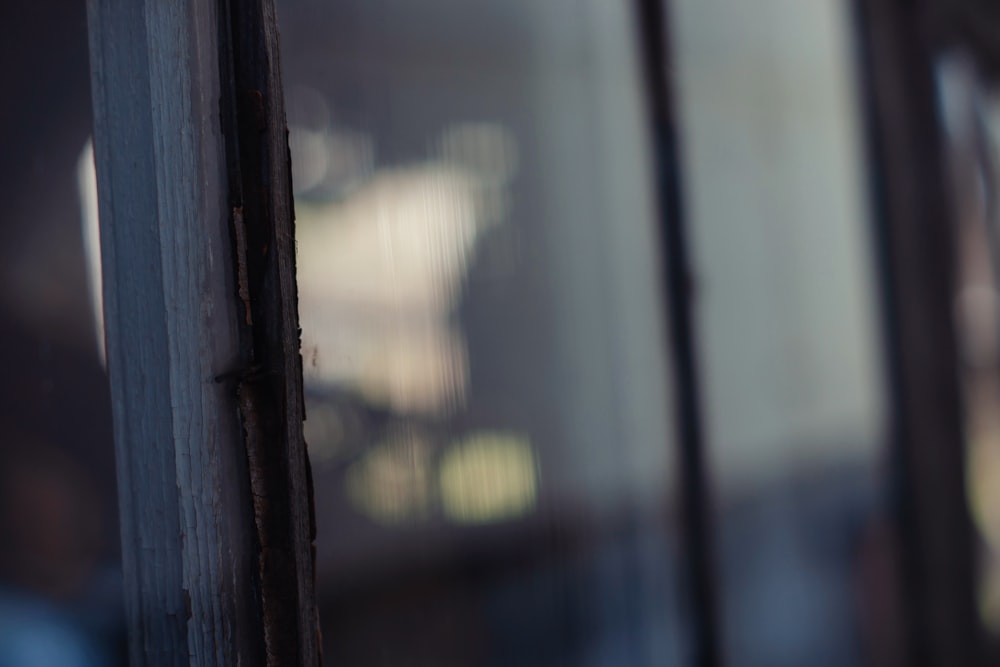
(489, 345)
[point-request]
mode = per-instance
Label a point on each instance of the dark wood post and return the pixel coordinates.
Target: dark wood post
(202, 333)
(916, 233)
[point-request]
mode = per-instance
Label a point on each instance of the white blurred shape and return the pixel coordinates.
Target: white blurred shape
(86, 179)
(380, 272)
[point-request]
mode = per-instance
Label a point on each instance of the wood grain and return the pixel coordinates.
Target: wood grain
(202, 583)
(270, 394)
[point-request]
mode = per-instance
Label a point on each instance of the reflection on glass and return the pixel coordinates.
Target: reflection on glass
(488, 477)
(386, 262)
(392, 482)
(482, 337)
(86, 179)
(788, 331)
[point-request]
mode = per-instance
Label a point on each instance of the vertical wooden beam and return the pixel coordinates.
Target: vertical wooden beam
(194, 386)
(916, 238)
(699, 554)
(187, 537)
(271, 395)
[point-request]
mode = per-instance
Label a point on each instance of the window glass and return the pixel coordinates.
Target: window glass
(794, 403)
(60, 582)
(488, 409)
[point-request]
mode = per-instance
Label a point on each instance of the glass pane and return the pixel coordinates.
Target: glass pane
(788, 329)
(488, 411)
(60, 582)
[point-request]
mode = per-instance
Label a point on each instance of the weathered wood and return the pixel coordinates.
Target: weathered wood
(270, 392)
(187, 537)
(198, 589)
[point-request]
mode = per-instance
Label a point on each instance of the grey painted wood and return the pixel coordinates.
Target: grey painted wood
(171, 320)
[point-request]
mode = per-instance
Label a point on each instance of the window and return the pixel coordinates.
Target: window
(633, 333)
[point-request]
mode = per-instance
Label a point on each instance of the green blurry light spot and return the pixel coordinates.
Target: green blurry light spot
(488, 477)
(392, 483)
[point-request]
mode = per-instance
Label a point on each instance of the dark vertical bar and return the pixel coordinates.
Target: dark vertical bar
(654, 42)
(914, 233)
(270, 383)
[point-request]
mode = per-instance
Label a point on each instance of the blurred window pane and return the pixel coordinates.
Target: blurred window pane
(795, 410)
(60, 582)
(488, 415)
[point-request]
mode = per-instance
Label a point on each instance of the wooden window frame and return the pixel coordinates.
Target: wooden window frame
(203, 341)
(202, 333)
